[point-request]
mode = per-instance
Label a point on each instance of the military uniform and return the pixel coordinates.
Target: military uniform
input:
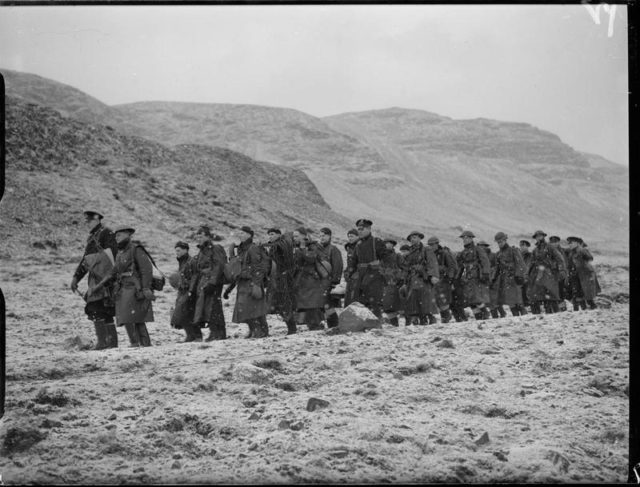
(351, 276)
(527, 257)
(448, 268)
(251, 304)
(97, 262)
(582, 277)
(311, 288)
(280, 290)
(547, 270)
(331, 254)
(474, 273)
(367, 256)
(184, 307)
(509, 277)
(494, 308)
(206, 286)
(393, 275)
(420, 266)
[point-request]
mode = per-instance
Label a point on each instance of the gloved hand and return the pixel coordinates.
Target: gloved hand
(74, 284)
(434, 280)
(225, 295)
(485, 278)
(148, 294)
(208, 288)
(519, 280)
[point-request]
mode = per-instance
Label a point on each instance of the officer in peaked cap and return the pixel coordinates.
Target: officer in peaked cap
(482, 243)
(575, 239)
(538, 232)
(99, 256)
(125, 228)
(525, 243)
(363, 222)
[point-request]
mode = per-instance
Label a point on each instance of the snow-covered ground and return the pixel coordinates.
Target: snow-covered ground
(537, 398)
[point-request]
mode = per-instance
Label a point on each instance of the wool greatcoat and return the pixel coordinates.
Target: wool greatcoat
(509, 267)
(184, 308)
(582, 276)
(527, 257)
(208, 269)
(420, 265)
(250, 283)
(351, 276)
(280, 291)
(311, 288)
(368, 255)
(132, 273)
(448, 268)
(393, 275)
(493, 287)
(473, 265)
(547, 267)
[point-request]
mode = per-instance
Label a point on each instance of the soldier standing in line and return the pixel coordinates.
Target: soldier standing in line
(526, 257)
(392, 272)
(311, 287)
(368, 255)
(547, 270)
(280, 291)
(330, 253)
(206, 286)
(97, 261)
(132, 274)
(421, 271)
(494, 309)
(448, 269)
(509, 276)
(582, 275)
(183, 310)
(251, 303)
(351, 290)
(474, 273)
(563, 286)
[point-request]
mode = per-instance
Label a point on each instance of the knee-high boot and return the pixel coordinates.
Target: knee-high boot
(445, 315)
(99, 326)
(292, 328)
(260, 327)
(515, 310)
(111, 335)
(145, 340)
(132, 332)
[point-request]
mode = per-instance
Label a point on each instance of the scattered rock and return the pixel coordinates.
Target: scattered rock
(253, 446)
(356, 318)
(48, 423)
(254, 416)
(482, 439)
(20, 439)
(338, 453)
(315, 403)
(246, 372)
(558, 460)
(297, 426)
(270, 363)
(500, 456)
(285, 424)
(592, 391)
(445, 344)
(57, 398)
(176, 456)
(110, 426)
(77, 343)
(176, 465)
(112, 417)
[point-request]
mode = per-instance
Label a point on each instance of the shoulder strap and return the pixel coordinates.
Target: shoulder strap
(148, 255)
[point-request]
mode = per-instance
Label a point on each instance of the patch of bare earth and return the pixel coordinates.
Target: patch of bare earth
(531, 399)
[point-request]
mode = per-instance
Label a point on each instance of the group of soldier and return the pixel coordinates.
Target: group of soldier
(299, 278)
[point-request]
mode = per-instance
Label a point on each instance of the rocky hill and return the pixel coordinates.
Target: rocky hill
(57, 165)
(403, 168)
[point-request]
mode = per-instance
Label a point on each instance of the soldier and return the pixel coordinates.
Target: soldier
(474, 273)
(206, 286)
(392, 272)
(331, 254)
(582, 276)
(183, 310)
(448, 269)
(494, 309)
(311, 287)
(546, 270)
(367, 257)
(526, 257)
(563, 286)
(421, 271)
(280, 291)
(132, 274)
(251, 304)
(352, 282)
(97, 261)
(509, 276)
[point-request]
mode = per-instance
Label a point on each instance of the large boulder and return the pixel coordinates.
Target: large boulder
(357, 317)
